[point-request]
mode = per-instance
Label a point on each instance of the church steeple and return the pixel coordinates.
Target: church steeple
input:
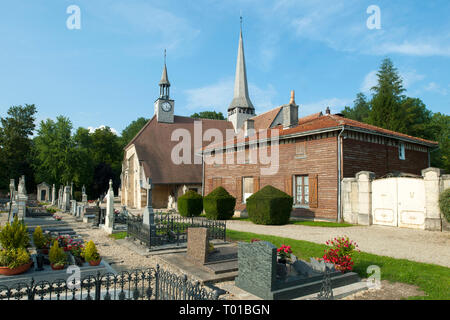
(240, 108)
(164, 84)
(164, 105)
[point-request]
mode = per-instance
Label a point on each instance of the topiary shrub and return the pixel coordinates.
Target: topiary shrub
(190, 204)
(269, 206)
(444, 203)
(219, 204)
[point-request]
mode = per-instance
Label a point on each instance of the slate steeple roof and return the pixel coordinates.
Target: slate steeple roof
(241, 98)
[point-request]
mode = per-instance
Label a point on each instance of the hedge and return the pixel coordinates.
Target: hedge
(269, 206)
(444, 203)
(219, 204)
(190, 204)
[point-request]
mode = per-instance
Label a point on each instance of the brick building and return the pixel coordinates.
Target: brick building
(315, 154)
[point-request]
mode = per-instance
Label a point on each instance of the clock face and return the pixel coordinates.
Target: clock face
(166, 106)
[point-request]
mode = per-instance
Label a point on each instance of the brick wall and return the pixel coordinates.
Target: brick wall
(380, 158)
(321, 159)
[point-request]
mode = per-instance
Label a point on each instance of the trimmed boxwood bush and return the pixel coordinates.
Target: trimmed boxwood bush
(269, 206)
(219, 204)
(190, 204)
(444, 203)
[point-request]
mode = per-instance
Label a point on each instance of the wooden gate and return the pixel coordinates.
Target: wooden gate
(399, 202)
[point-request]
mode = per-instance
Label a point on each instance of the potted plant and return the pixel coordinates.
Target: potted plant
(14, 261)
(57, 257)
(91, 254)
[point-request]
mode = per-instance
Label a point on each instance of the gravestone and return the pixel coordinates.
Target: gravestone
(197, 245)
(84, 195)
(22, 198)
(259, 274)
(109, 218)
(66, 199)
(53, 195)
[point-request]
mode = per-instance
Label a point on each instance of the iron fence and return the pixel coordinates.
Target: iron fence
(149, 284)
(171, 229)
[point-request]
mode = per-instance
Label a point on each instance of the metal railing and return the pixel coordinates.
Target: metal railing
(172, 229)
(149, 284)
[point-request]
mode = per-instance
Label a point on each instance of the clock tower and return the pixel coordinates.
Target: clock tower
(164, 105)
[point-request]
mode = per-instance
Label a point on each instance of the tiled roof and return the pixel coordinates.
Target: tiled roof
(154, 149)
(316, 122)
(264, 120)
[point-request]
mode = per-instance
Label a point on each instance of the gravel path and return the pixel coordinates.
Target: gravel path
(416, 245)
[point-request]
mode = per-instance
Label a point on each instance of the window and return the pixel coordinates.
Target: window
(301, 190)
(300, 149)
(247, 188)
(401, 151)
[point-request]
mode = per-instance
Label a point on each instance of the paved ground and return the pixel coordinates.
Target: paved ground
(417, 245)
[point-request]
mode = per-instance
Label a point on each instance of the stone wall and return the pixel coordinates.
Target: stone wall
(357, 199)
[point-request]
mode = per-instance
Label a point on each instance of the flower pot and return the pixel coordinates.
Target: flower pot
(95, 262)
(20, 269)
(58, 267)
(282, 261)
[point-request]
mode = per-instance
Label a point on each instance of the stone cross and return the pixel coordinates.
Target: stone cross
(148, 215)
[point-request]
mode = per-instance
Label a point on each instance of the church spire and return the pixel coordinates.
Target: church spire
(164, 84)
(241, 98)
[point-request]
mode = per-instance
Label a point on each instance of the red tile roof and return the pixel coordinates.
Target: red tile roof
(317, 122)
(264, 120)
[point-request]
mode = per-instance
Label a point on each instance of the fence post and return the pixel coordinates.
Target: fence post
(98, 286)
(31, 290)
(184, 287)
(157, 282)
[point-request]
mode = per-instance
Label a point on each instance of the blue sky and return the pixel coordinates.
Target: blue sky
(106, 73)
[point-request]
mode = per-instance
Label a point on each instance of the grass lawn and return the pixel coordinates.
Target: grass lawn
(309, 223)
(321, 224)
(119, 235)
(434, 280)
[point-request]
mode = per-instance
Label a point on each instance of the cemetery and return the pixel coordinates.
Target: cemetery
(51, 257)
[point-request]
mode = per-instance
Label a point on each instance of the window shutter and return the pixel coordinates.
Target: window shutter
(313, 191)
(239, 190)
(255, 184)
(288, 185)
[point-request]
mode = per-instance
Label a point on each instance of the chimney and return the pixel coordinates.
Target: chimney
(290, 112)
(249, 127)
(327, 111)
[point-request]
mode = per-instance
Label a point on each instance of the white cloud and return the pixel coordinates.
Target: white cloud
(92, 129)
(434, 87)
(369, 81)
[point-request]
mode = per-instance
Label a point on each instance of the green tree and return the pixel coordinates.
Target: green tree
(55, 159)
(439, 128)
(417, 118)
(386, 102)
(16, 145)
(208, 115)
(131, 130)
(360, 110)
(84, 163)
